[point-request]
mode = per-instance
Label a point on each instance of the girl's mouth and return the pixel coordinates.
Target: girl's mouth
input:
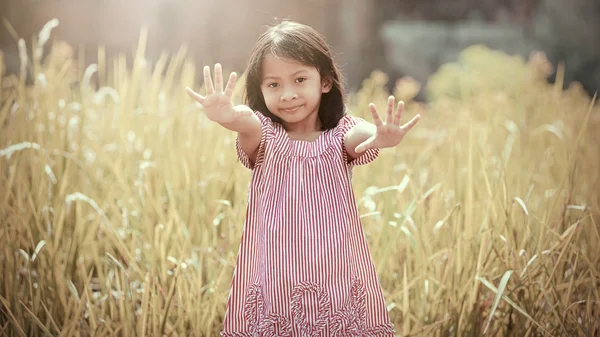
(291, 110)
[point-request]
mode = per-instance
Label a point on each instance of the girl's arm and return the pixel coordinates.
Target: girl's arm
(356, 136)
(218, 107)
(365, 135)
(249, 131)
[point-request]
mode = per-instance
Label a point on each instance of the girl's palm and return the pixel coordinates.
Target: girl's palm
(389, 133)
(217, 103)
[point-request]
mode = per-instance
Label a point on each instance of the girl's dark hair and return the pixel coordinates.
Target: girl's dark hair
(301, 43)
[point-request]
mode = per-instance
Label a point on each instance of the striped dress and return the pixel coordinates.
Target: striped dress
(303, 267)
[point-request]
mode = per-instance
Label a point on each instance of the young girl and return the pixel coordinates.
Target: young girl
(303, 268)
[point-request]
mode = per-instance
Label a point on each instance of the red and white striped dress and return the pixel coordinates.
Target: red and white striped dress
(303, 267)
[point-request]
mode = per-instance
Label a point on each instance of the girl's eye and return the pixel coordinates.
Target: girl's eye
(272, 85)
(301, 79)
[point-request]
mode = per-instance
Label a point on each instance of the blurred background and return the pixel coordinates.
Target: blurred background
(399, 37)
(121, 207)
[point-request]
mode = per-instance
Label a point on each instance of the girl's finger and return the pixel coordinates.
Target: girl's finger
(390, 110)
(406, 127)
(199, 98)
(398, 114)
(376, 118)
(230, 84)
(208, 81)
(218, 78)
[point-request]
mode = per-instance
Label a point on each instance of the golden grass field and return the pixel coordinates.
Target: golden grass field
(121, 206)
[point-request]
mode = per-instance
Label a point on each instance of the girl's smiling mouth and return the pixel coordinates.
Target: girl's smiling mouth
(291, 110)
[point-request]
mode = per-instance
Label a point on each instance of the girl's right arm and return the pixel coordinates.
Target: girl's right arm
(249, 131)
(219, 108)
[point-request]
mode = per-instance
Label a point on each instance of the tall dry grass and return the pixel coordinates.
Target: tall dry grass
(121, 207)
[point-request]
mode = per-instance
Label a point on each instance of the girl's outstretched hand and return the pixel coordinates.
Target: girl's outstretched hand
(390, 133)
(217, 103)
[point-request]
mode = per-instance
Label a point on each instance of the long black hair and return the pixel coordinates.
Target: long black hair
(295, 41)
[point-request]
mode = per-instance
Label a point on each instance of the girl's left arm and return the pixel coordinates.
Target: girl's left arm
(356, 136)
(380, 135)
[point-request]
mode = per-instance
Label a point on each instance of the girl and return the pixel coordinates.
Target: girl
(303, 267)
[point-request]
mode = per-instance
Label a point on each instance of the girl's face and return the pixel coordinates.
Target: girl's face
(292, 92)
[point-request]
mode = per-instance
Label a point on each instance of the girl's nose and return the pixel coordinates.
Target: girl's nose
(288, 95)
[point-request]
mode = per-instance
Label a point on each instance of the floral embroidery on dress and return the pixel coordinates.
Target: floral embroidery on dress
(351, 319)
(348, 321)
(275, 325)
(254, 307)
(299, 315)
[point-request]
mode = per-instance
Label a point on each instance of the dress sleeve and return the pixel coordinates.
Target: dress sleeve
(344, 125)
(267, 134)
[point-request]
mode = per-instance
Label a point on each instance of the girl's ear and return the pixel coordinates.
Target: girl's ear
(326, 85)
